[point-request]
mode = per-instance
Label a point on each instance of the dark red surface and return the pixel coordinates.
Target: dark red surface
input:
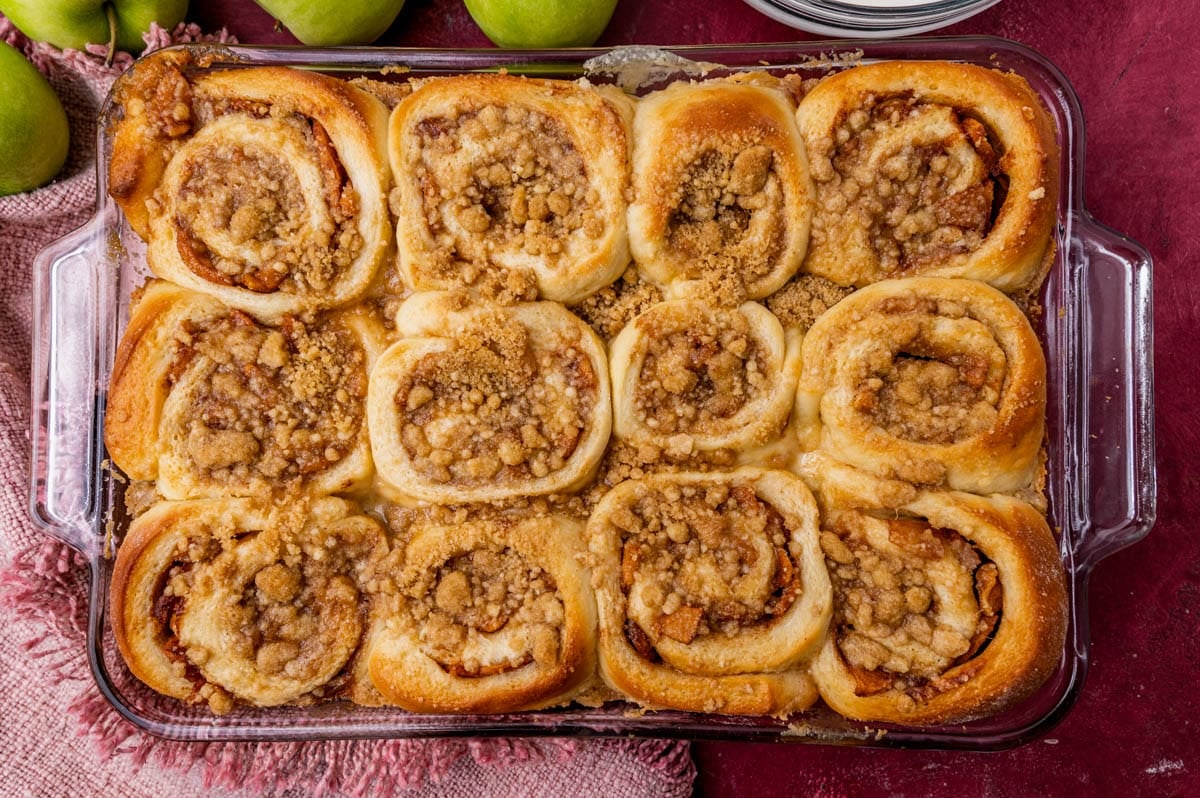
(1134, 731)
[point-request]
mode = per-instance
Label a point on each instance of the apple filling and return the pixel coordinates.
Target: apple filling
(910, 603)
(924, 175)
(700, 560)
(247, 216)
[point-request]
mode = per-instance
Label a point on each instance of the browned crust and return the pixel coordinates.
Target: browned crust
(776, 691)
(1027, 644)
(676, 126)
(406, 677)
(1014, 252)
(139, 383)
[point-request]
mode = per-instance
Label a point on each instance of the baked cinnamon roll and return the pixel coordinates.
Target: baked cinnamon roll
(263, 187)
(687, 376)
(721, 185)
(206, 401)
(948, 607)
(930, 168)
(712, 591)
(228, 600)
(503, 178)
(930, 380)
(479, 403)
(490, 615)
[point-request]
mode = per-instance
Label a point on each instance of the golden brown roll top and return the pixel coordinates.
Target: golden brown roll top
(504, 180)
(263, 187)
(480, 403)
(490, 615)
(721, 186)
(688, 376)
(930, 380)
(947, 607)
(233, 600)
(930, 168)
(207, 401)
(711, 590)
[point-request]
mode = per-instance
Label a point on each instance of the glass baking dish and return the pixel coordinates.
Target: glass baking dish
(1096, 329)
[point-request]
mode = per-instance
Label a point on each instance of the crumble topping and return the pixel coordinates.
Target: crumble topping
(608, 310)
(486, 612)
(296, 617)
(927, 202)
(500, 186)
(721, 205)
(244, 217)
(495, 407)
(802, 300)
(910, 602)
(702, 559)
(928, 390)
(279, 403)
(698, 371)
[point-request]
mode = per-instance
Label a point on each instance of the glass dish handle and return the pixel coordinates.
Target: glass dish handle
(70, 303)
(1116, 380)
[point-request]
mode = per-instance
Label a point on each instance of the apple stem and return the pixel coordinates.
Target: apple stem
(110, 11)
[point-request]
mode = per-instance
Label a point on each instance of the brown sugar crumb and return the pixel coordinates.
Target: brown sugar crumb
(611, 308)
(698, 372)
(500, 181)
(925, 204)
(928, 391)
(803, 299)
(724, 189)
(278, 404)
(703, 559)
(909, 603)
(490, 591)
(250, 199)
(495, 407)
(140, 496)
(279, 615)
(390, 93)
(508, 287)
(624, 461)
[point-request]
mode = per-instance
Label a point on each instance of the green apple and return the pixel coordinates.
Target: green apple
(521, 24)
(33, 125)
(329, 23)
(75, 23)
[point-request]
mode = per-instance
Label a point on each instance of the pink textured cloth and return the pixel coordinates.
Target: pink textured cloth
(57, 734)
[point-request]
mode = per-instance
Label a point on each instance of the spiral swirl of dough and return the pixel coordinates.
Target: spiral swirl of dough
(227, 600)
(209, 402)
(931, 380)
(498, 175)
(947, 606)
(689, 376)
(934, 169)
(711, 589)
(721, 185)
(492, 615)
(264, 187)
(478, 403)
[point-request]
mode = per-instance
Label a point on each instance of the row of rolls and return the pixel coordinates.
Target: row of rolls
(279, 191)
(525, 392)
